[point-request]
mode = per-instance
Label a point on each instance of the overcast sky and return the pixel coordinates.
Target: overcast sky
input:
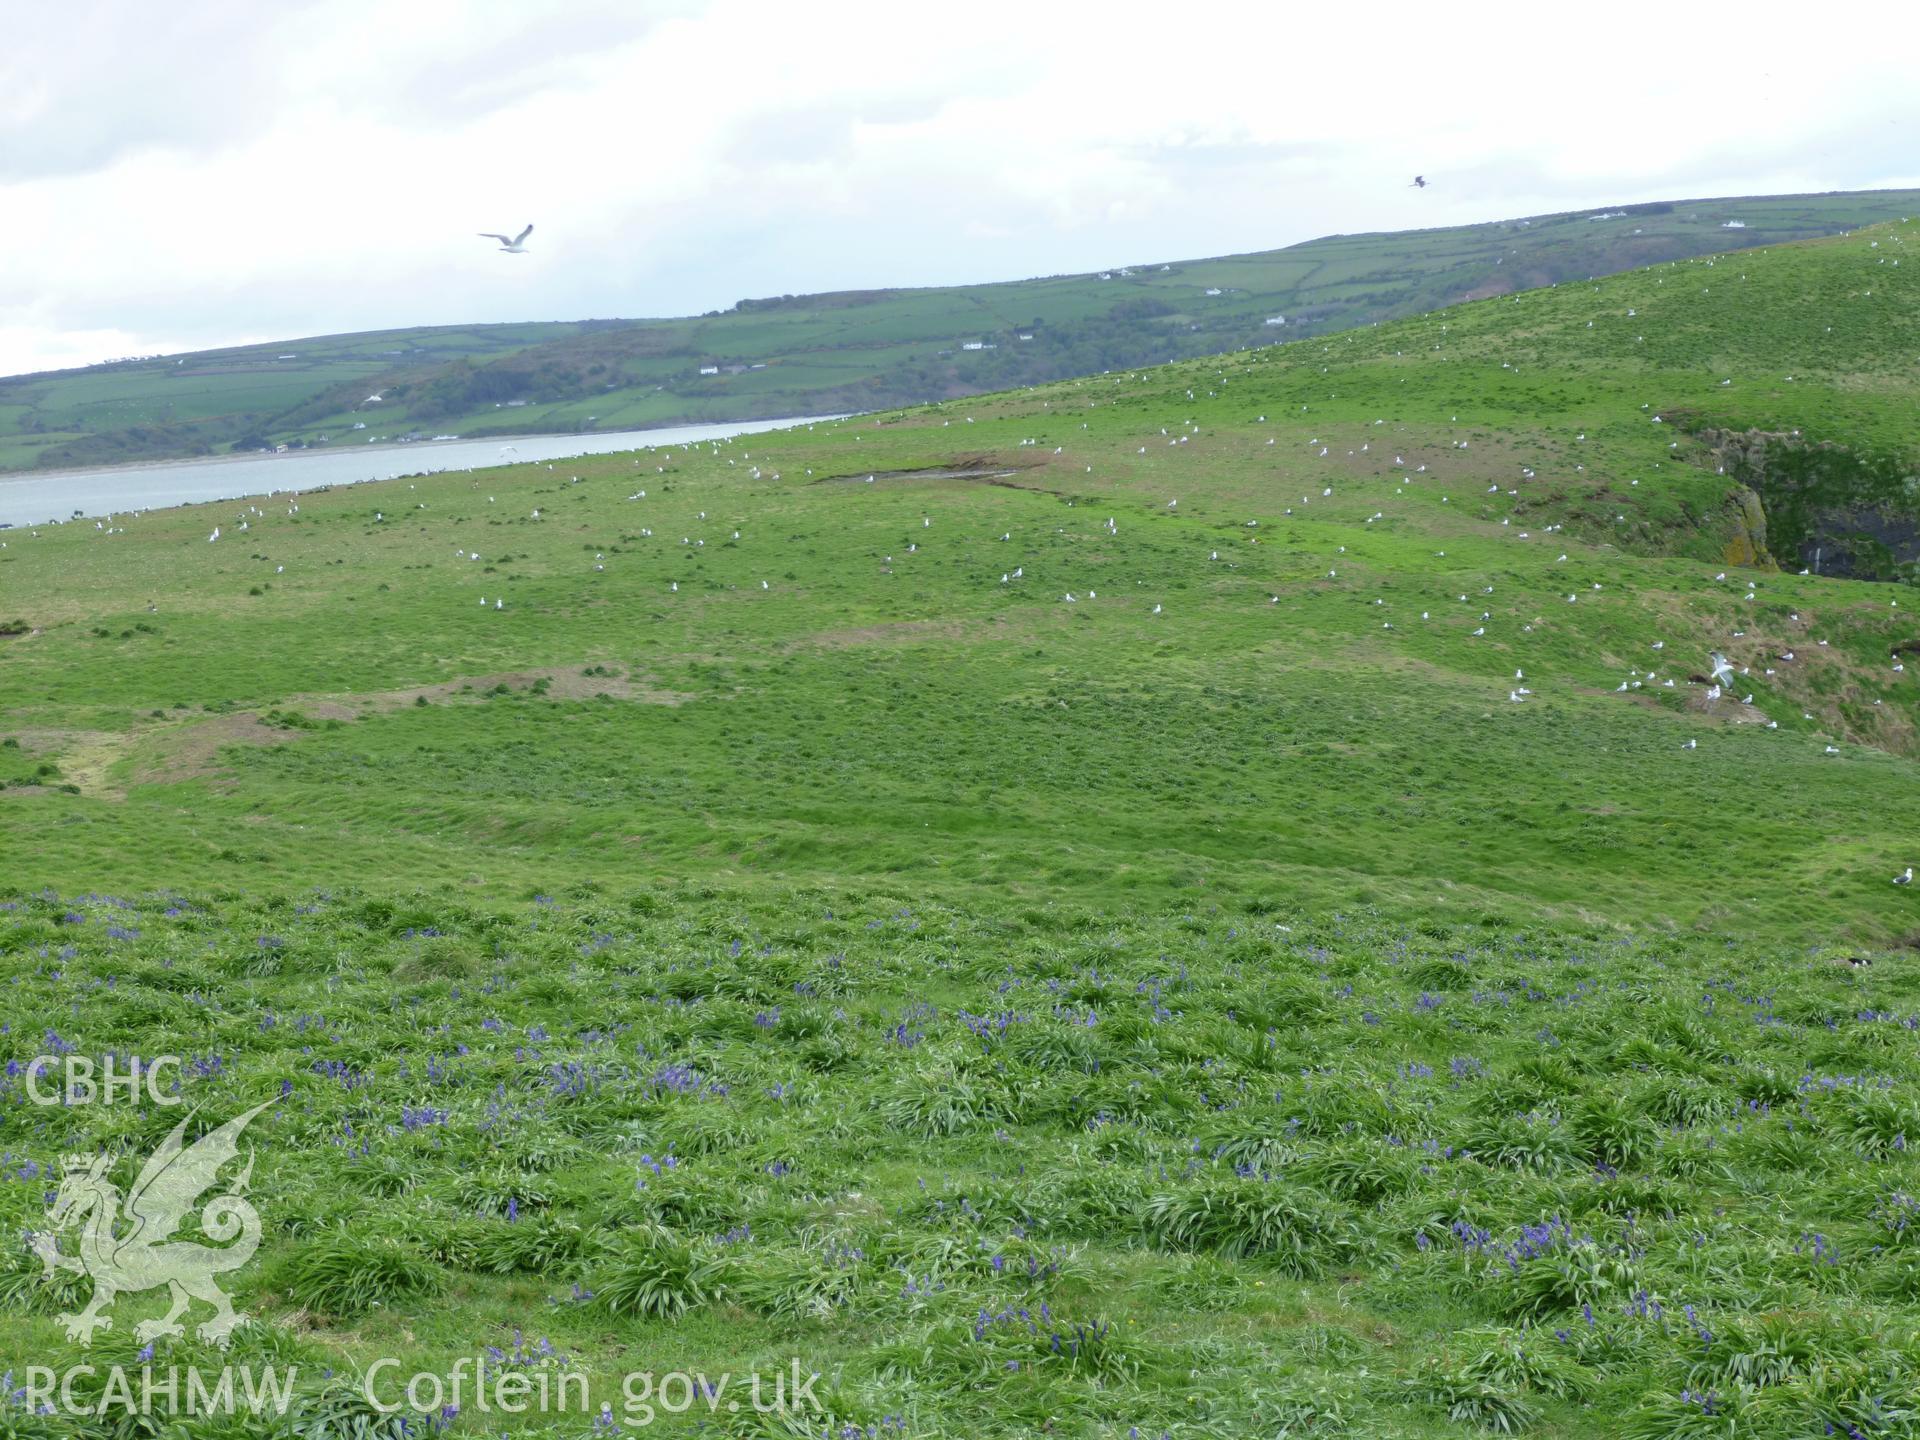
(197, 172)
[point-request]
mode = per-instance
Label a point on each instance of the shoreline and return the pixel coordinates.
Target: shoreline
(131, 467)
(60, 497)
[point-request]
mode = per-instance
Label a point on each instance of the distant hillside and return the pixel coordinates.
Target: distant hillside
(851, 350)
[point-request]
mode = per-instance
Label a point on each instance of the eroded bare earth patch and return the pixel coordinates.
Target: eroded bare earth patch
(170, 751)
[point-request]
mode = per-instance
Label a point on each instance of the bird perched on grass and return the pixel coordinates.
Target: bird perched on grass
(1905, 877)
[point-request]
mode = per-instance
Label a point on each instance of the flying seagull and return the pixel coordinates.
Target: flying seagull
(1419, 183)
(514, 245)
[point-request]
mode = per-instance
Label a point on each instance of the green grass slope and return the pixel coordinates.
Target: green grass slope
(749, 659)
(698, 909)
(1011, 1171)
(819, 354)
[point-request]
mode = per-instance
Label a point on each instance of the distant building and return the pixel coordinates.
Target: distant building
(1027, 335)
(709, 369)
(1213, 290)
(1734, 225)
(1276, 320)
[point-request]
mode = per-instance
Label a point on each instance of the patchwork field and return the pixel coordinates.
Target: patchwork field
(1213, 900)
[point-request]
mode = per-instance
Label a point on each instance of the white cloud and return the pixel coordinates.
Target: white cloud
(198, 173)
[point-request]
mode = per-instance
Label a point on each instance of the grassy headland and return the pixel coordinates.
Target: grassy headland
(696, 912)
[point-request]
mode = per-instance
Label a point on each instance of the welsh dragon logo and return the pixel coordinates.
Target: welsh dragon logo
(143, 1257)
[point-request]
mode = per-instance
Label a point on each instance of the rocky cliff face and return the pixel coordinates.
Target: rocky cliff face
(1747, 529)
(1819, 506)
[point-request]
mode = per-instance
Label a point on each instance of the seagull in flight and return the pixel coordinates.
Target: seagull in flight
(1419, 183)
(512, 245)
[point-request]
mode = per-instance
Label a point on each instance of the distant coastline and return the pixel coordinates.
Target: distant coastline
(52, 497)
(737, 427)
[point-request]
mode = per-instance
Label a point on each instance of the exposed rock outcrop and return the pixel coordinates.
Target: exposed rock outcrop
(1819, 506)
(1747, 529)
